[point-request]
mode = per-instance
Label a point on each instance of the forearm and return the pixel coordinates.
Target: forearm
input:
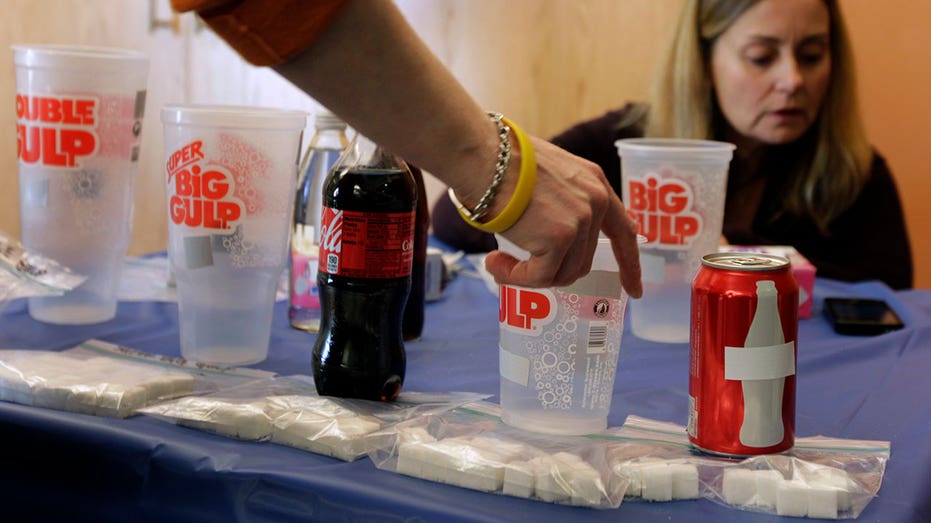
(444, 131)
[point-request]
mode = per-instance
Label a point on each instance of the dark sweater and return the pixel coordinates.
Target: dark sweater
(868, 241)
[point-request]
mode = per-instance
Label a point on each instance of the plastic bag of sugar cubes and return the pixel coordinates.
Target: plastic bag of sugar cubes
(286, 410)
(471, 447)
(103, 379)
(654, 460)
(820, 477)
(26, 274)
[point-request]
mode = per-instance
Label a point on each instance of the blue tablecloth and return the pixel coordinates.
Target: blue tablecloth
(76, 467)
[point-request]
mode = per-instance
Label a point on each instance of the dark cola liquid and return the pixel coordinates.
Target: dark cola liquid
(412, 326)
(359, 351)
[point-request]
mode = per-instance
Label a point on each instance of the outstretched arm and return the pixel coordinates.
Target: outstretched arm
(368, 66)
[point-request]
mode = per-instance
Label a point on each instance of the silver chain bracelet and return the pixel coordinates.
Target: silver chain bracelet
(501, 166)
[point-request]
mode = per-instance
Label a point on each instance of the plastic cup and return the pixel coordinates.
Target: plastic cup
(78, 120)
(230, 174)
(558, 349)
(675, 190)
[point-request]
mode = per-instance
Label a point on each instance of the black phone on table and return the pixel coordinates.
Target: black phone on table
(861, 316)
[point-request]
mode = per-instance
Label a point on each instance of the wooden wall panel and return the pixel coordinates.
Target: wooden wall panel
(545, 63)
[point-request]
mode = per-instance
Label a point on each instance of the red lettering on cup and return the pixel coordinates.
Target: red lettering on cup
(664, 210)
(525, 310)
(200, 196)
(55, 131)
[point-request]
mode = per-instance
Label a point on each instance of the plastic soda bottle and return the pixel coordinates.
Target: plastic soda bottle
(412, 325)
(326, 145)
(364, 276)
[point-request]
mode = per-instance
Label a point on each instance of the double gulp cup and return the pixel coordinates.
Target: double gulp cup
(675, 191)
(230, 179)
(78, 130)
(558, 348)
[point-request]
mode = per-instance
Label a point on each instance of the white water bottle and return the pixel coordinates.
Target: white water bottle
(328, 142)
(762, 424)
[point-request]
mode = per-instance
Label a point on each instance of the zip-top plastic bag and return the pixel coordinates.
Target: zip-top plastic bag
(26, 274)
(286, 410)
(820, 477)
(103, 379)
(471, 447)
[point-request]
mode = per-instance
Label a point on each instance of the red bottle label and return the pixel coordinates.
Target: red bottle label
(366, 244)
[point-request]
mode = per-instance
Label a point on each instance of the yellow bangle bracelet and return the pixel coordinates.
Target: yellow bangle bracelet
(522, 192)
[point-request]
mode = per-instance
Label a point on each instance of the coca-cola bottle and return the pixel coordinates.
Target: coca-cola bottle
(412, 326)
(364, 277)
(326, 145)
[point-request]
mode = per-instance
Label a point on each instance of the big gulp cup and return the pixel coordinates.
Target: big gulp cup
(231, 174)
(675, 191)
(78, 130)
(558, 348)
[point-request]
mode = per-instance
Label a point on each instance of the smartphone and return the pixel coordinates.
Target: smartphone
(861, 316)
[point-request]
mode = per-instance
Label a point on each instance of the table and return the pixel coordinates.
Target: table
(64, 466)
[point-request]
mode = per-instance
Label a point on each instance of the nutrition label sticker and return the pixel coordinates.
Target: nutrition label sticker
(366, 245)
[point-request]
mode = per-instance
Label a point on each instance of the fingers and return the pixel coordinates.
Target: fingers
(622, 230)
(572, 203)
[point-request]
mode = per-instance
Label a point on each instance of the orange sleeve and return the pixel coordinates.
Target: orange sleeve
(263, 32)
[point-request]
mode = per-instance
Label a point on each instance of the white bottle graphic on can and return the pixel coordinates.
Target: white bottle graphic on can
(762, 424)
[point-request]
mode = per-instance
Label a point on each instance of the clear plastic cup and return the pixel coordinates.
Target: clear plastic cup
(675, 190)
(558, 349)
(79, 117)
(230, 173)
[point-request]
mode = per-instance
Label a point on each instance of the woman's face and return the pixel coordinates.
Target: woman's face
(771, 69)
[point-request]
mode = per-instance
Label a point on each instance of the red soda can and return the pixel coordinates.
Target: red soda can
(744, 327)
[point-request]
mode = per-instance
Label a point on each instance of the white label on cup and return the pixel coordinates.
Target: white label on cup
(198, 252)
(513, 367)
(653, 268)
(35, 194)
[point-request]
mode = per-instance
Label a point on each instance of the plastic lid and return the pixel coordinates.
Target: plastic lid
(691, 150)
(80, 58)
(604, 256)
(247, 117)
(602, 261)
(325, 119)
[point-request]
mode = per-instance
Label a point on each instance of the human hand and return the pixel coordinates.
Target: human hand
(572, 202)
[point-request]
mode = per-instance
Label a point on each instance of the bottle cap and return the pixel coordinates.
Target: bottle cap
(324, 119)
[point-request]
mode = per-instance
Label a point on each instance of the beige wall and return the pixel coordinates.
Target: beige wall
(893, 51)
(545, 63)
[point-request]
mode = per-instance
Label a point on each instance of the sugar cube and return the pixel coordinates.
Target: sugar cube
(792, 499)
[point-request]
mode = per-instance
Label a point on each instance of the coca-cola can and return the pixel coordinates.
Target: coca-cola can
(744, 326)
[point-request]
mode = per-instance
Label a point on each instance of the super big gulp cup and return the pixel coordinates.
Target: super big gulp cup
(78, 127)
(231, 174)
(675, 190)
(558, 348)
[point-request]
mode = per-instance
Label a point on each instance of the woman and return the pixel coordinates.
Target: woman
(775, 78)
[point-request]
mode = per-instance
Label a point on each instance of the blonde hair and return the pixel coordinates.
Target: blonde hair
(682, 105)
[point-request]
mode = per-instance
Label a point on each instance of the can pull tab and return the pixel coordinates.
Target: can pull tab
(751, 261)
